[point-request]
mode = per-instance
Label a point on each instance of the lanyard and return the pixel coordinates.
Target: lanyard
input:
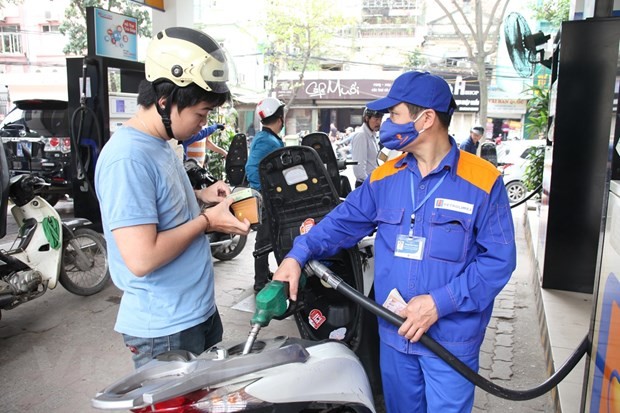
(415, 208)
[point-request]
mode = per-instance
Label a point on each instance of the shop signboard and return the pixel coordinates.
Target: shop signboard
(156, 4)
(466, 90)
(334, 89)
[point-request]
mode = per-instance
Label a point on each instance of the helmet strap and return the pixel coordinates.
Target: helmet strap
(164, 112)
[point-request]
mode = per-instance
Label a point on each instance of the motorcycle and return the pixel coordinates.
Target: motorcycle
(280, 374)
(47, 249)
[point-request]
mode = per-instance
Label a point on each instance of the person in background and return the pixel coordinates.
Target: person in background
(333, 133)
(196, 146)
(271, 113)
(473, 141)
(364, 147)
(343, 145)
(158, 251)
(444, 244)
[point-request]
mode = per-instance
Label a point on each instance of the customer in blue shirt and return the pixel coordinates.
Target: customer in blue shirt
(158, 252)
(473, 141)
(271, 113)
(444, 241)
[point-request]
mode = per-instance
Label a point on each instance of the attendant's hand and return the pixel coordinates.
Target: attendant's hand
(289, 271)
(420, 314)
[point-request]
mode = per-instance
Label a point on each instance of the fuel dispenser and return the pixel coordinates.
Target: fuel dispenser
(102, 91)
(579, 233)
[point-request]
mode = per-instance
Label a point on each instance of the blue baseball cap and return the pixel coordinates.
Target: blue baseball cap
(420, 89)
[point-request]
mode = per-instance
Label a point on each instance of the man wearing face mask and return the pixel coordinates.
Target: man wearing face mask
(271, 113)
(445, 242)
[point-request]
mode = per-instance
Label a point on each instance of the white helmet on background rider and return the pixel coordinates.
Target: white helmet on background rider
(268, 107)
(185, 56)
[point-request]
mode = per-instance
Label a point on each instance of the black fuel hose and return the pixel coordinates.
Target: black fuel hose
(339, 285)
(82, 165)
(527, 198)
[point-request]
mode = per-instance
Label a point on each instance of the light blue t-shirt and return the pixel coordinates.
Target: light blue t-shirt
(140, 180)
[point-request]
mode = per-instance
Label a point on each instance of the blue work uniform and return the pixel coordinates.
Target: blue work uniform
(463, 216)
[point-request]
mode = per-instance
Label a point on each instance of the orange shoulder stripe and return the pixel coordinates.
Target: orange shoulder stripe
(477, 171)
(387, 169)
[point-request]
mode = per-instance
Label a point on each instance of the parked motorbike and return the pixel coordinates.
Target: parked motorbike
(224, 247)
(47, 249)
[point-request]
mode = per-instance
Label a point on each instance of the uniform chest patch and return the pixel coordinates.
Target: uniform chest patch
(452, 205)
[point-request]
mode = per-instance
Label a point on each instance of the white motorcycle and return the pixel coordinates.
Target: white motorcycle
(281, 374)
(47, 250)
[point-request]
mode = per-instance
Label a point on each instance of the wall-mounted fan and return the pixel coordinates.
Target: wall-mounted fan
(523, 46)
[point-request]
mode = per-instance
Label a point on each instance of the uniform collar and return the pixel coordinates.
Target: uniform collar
(449, 162)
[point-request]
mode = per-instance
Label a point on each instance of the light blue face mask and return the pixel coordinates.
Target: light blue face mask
(397, 136)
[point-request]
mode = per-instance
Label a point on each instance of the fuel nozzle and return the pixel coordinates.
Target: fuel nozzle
(271, 302)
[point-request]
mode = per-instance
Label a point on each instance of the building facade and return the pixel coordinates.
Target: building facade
(32, 63)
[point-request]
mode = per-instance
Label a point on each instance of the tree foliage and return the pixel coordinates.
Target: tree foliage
(479, 32)
(537, 110)
(552, 11)
(538, 122)
(4, 3)
(74, 24)
(299, 33)
(414, 60)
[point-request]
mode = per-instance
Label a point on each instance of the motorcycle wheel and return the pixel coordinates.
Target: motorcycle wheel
(232, 250)
(85, 268)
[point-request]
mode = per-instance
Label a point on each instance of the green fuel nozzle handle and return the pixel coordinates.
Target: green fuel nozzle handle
(271, 302)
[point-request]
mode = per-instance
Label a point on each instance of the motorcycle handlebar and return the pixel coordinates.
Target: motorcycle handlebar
(342, 164)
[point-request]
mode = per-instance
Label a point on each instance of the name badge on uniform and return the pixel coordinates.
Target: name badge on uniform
(409, 247)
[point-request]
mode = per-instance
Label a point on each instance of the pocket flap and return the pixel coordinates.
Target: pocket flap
(442, 218)
(390, 216)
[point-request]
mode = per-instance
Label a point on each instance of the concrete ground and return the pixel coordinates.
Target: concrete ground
(58, 350)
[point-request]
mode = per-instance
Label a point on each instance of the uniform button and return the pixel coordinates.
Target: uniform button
(422, 186)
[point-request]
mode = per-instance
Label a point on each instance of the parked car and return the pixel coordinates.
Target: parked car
(512, 162)
(35, 134)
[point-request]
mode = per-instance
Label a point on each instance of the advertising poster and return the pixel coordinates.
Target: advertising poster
(116, 36)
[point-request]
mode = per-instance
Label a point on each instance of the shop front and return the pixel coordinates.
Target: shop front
(505, 117)
(339, 98)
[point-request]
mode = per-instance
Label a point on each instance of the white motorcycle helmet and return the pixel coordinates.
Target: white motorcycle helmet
(185, 56)
(268, 107)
